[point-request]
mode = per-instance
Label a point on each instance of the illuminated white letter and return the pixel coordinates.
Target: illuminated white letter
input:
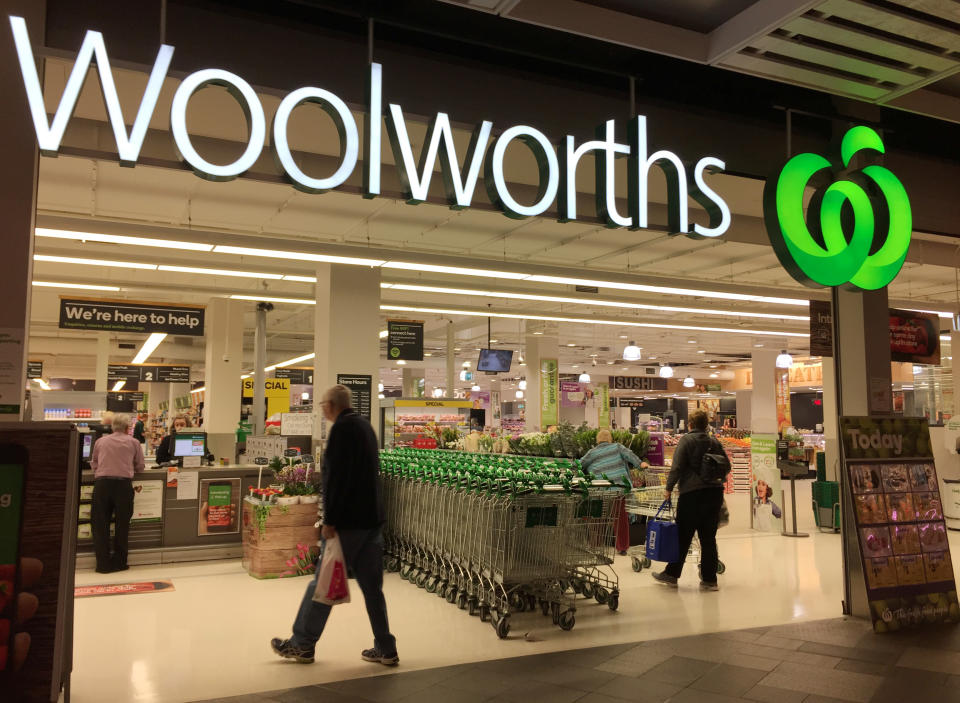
(49, 135)
(252, 109)
(709, 200)
(346, 127)
(569, 158)
(371, 156)
(639, 171)
(439, 135)
(606, 177)
(546, 160)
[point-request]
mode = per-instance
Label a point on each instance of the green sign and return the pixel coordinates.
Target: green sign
(549, 392)
(856, 231)
(602, 392)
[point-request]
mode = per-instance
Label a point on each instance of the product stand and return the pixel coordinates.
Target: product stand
(793, 469)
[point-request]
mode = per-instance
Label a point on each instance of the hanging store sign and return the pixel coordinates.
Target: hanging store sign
(781, 384)
(404, 340)
(549, 392)
(637, 383)
(882, 220)
(126, 316)
(34, 369)
(603, 412)
(900, 522)
(296, 375)
(361, 389)
(557, 164)
(914, 336)
(151, 373)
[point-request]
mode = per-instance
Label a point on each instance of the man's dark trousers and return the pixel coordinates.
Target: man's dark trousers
(112, 500)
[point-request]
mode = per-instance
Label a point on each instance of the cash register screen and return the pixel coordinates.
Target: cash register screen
(87, 447)
(189, 444)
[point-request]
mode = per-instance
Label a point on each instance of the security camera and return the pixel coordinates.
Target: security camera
(226, 358)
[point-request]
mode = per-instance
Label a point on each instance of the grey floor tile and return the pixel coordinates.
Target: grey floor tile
(636, 662)
(728, 680)
(540, 692)
(946, 662)
(953, 681)
(577, 677)
(249, 698)
(823, 699)
(315, 694)
(846, 632)
(858, 653)
(914, 677)
(771, 640)
(862, 667)
(679, 671)
(691, 695)
(598, 698)
(817, 660)
(382, 689)
(739, 636)
(643, 690)
(766, 694)
(482, 680)
(443, 694)
(846, 685)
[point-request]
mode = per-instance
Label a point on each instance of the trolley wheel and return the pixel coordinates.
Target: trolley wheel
(636, 564)
(431, 585)
(647, 563)
(555, 612)
(462, 600)
(405, 571)
(545, 607)
(586, 589)
(721, 567)
(531, 603)
(614, 601)
(451, 595)
(422, 579)
(472, 606)
(601, 594)
(567, 620)
(484, 612)
(502, 626)
(517, 602)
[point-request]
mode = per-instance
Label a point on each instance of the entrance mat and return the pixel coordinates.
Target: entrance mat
(123, 589)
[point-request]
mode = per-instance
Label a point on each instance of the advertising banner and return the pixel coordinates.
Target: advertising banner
(126, 316)
(603, 412)
(655, 451)
(900, 523)
(821, 328)
(781, 384)
(360, 386)
(765, 491)
(405, 340)
(219, 506)
(480, 399)
(573, 394)
(549, 392)
(914, 336)
(147, 501)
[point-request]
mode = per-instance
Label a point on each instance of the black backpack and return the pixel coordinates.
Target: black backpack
(715, 464)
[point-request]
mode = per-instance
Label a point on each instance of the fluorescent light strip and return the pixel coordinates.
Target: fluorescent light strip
(120, 239)
(670, 291)
(43, 384)
(76, 286)
(586, 301)
(301, 279)
(149, 346)
(290, 362)
(383, 334)
(220, 272)
(201, 389)
(938, 313)
(263, 299)
(458, 270)
(296, 256)
(593, 321)
(118, 385)
(93, 262)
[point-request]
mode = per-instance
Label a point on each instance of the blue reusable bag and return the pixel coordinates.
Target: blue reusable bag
(663, 538)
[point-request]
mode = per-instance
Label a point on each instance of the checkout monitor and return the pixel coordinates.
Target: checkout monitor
(189, 444)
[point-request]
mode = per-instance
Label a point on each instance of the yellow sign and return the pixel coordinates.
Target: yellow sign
(273, 387)
(433, 403)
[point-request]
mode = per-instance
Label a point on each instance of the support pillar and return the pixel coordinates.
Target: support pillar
(451, 376)
(103, 360)
(831, 432)
(411, 378)
(259, 372)
(223, 365)
(538, 348)
(763, 431)
(345, 333)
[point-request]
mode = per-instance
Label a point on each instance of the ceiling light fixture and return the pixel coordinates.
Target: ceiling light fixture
(631, 352)
(519, 395)
(666, 371)
(300, 279)
(455, 270)
(75, 286)
(523, 384)
(475, 387)
(584, 378)
(688, 382)
(121, 239)
(93, 262)
(380, 387)
(784, 360)
(296, 256)
(43, 384)
(149, 346)
(382, 334)
(219, 272)
(118, 385)
(267, 299)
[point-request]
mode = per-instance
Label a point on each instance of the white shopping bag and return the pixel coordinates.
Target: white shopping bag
(332, 587)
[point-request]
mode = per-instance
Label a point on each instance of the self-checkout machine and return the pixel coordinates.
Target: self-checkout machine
(946, 452)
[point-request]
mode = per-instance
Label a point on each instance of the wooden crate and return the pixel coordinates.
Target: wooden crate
(266, 553)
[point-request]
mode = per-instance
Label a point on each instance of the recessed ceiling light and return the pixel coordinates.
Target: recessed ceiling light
(701, 351)
(571, 344)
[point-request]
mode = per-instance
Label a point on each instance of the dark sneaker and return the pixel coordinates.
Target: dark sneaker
(664, 578)
(287, 650)
(709, 586)
(377, 657)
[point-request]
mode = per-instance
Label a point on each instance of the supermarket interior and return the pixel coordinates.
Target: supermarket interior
(488, 352)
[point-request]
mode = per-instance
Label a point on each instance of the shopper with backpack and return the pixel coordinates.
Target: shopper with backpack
(699, 470)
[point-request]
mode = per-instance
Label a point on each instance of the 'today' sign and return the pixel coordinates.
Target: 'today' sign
(557, 164)
(126, 316)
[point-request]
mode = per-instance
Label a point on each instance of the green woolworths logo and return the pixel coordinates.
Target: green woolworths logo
(817, 251)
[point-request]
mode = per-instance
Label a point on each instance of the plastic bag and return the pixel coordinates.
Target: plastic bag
(332, 588)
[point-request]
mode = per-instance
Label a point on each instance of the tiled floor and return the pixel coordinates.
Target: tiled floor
(814, 662)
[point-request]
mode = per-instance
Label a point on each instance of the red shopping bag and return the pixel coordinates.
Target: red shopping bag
(332, 587)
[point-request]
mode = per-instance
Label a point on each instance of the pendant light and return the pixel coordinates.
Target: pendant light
(584, 378)
(437, 392)
(631, 352)
(688, 382)
(784, 360)
(475, 387)
(523, 384)
(666, 371)
(519, 395)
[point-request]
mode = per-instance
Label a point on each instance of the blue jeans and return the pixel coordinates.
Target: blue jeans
(363, 551)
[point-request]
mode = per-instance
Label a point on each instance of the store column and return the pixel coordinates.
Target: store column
(411, 379)
(101, 380)
(451, 375)
(765, 493)
(542, 394)
(223, 365)
(18, 202)
(345, 334)
(831, 433)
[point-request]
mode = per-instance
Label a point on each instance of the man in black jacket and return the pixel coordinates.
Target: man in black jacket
(352, 510)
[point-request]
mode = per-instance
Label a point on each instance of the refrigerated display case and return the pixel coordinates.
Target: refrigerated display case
(404, 420)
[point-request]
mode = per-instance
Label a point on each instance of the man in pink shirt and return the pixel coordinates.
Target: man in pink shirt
(114, 460)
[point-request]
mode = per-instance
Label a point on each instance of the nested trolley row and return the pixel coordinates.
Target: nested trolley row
(497, 535)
